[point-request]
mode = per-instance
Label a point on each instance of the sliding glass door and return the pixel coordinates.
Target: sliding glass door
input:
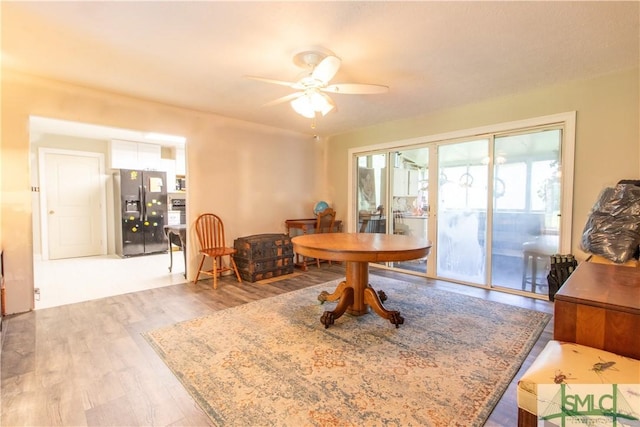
(507, 242)
(526, 208)
(492, 205)
(462, 210)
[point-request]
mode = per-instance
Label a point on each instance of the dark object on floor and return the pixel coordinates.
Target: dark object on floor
(263, 256)
(561, 268)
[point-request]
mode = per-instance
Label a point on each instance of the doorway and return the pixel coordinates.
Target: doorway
(73, 242)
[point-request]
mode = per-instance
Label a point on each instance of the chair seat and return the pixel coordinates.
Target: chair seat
(216, 252)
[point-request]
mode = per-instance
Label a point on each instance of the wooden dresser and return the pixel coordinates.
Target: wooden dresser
(599, 306)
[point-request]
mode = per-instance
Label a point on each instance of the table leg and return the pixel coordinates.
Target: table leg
(355, 295)
(393, 316)
(170, 253)
(358, 279)
(184, 255)
(328, 317)
(326, 296)
(301, 265)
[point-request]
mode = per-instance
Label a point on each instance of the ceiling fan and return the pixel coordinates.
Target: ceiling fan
(313, 85)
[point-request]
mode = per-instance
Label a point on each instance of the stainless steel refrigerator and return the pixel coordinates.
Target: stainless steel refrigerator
(140, 212)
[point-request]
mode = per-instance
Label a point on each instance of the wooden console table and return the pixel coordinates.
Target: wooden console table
(305, 225)
(599, 306)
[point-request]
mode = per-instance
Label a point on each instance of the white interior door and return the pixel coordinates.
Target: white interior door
(73, 204)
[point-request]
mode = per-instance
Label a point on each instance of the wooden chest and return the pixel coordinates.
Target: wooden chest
(263, 256)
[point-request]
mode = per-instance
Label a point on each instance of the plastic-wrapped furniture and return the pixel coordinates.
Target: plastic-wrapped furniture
(612, 230)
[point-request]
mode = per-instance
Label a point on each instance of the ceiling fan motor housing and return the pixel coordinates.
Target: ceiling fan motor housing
(310, 58)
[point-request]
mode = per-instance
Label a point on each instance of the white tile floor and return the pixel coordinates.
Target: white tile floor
(67, 281)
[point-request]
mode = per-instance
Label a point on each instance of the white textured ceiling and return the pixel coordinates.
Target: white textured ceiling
(432, 55)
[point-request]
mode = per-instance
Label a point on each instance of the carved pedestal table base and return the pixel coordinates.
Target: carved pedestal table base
(355, 295)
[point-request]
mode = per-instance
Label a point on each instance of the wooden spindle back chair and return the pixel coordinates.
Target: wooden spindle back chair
(210, 233)
(325, 223)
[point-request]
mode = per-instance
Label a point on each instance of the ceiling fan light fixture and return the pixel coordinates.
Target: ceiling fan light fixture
(320, 67)
(322, 103)
(312, 102)
(302, 105)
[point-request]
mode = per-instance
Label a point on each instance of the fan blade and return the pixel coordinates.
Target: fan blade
(278, 82)
(326, 69)
(283, 99)
(356, 89)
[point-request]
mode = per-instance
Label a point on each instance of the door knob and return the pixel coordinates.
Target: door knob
(51, 212)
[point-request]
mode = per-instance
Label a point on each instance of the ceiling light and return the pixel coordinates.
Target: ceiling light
(162, 137)
(312, 102)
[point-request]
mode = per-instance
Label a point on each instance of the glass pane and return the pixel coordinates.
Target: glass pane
(409, 199)
(372, 191)
(462, 211)
(526, 209)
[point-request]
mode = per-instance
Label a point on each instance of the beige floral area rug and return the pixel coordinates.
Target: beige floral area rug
(272, 363)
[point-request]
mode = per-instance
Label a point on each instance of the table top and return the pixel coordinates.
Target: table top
(179, 229)
(176, 227)
(362, 247)
(603, 285)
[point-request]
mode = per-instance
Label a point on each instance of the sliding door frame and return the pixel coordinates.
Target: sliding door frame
(566, 121)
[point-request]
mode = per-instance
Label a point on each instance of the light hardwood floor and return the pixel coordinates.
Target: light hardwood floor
(72, 280)
(87, 364)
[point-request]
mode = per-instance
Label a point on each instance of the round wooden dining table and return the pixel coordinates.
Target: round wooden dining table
(354, 294)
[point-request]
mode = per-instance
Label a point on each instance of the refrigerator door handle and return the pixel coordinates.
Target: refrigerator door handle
(144, 202)
(141, 201)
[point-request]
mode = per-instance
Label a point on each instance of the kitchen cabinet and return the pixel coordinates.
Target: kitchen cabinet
(135, 155)
(406, 182)
(149, 156)
(400, 182)
(181, 162)
(169, 166)
(414, 182)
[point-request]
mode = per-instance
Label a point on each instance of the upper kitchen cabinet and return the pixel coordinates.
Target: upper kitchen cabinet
(181, 163)
(400, 182)
(414, 181)
(135, 155)
(406, 182)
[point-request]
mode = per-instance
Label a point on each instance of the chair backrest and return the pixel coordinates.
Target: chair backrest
(399, 226)
(326, 220)
(210, 231)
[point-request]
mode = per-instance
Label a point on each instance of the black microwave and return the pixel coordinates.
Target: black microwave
(181, 184)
